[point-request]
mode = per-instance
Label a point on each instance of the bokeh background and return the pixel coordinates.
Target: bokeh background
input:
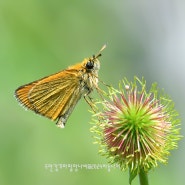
(41, 37)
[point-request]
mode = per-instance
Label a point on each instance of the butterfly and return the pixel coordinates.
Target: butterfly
(55, 96)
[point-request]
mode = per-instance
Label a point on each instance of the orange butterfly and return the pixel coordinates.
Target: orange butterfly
(55, 96)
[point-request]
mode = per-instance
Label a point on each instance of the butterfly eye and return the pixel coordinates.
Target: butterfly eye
(90, 65)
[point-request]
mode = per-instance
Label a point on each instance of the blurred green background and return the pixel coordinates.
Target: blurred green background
(41, 37)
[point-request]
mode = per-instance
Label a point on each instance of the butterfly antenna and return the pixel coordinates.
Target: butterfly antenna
(99, 53)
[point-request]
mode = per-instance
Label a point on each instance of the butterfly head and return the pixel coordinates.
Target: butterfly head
(93, 63)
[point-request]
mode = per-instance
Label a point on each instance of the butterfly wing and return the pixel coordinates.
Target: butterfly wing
(52, 96)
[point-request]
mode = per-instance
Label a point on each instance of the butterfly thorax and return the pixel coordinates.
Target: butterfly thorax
(90, 76)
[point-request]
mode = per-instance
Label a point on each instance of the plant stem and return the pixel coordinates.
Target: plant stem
(143, 177)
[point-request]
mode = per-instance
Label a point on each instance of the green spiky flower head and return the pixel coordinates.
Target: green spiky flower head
(136, 128)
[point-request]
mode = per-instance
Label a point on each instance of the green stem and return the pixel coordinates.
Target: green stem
(143, 177)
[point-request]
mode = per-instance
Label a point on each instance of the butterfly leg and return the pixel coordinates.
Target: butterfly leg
(89, 100)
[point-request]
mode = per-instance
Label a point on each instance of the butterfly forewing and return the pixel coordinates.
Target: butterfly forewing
(49, 96)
